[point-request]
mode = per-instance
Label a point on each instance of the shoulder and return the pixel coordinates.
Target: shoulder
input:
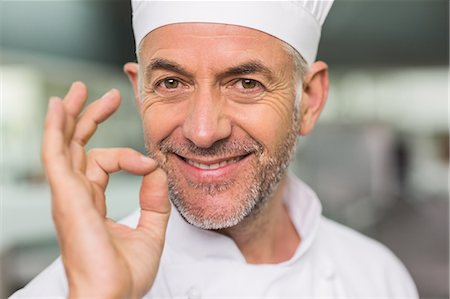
(358, 258)
(354, 248)
(348, 240)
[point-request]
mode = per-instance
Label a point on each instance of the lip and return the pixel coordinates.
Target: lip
(213, 161)
(217, 174)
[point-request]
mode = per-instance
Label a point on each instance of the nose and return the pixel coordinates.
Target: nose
(206, 121)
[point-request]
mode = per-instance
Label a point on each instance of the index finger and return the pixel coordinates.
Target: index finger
(103, 162)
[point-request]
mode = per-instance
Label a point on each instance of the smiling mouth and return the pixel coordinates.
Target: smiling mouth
(213, 165)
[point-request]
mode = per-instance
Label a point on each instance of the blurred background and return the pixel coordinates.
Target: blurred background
(378, 158)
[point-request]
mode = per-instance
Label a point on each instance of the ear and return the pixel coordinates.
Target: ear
(131, 69)
(314, 96)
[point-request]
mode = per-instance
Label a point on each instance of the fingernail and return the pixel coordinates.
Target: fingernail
(109, 94)
(75, 84)
(51, 103)
(147, 160)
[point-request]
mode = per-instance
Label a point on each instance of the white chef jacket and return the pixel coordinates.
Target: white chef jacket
(332, 261)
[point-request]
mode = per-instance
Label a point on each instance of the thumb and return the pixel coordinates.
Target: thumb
(154, 202)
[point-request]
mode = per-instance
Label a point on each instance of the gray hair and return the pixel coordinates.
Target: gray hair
(300, 69)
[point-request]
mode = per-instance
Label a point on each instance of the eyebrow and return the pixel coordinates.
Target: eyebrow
(167, 65)
(250, 67)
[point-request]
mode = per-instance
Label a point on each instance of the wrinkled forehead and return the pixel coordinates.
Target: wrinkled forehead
(210, 42)
(198, 34)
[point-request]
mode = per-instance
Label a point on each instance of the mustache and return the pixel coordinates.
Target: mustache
(223, 147)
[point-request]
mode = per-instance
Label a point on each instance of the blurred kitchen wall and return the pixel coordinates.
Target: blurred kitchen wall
(378, 158)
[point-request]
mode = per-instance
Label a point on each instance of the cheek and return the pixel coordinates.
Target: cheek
(160, 120)
(267, 121)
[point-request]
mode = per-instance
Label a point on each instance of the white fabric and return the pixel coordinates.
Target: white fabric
(298, 23)
(332, 261)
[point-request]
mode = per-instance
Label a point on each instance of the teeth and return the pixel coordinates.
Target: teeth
(212, 166)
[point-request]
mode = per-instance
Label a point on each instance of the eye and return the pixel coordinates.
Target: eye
(248, 86)
(170, 86)
(170, 83)
(248, 83)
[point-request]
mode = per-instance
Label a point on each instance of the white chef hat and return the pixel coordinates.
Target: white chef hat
(298, 23)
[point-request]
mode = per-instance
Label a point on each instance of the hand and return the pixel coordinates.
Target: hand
(102, 259)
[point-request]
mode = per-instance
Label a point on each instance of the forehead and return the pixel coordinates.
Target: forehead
(212, 42)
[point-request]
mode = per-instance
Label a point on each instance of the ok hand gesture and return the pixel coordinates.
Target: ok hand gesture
(102, 259)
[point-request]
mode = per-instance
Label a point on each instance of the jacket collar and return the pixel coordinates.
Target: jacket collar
(187, 242)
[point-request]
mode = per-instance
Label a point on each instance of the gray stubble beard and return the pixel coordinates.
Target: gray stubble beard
(266, 181)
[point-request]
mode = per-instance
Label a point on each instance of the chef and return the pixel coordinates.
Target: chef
(223, 89)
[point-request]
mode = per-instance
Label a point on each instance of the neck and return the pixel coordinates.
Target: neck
(269, 236)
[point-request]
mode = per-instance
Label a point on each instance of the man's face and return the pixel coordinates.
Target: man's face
(217, 103)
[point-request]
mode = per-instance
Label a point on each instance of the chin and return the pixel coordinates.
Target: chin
(213, 209)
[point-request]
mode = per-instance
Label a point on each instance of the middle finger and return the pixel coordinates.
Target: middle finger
(87, 124)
